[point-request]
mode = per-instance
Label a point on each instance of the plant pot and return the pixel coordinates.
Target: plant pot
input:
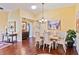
(70, 44)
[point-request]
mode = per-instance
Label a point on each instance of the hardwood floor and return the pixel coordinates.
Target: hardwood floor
(26, 47)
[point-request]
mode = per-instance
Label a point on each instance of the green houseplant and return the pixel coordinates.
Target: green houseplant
(71, 34)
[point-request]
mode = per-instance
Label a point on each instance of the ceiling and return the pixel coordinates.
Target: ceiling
(27, 6)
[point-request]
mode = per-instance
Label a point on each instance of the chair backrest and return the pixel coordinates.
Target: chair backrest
(55, 32)
(46, 37)
(77, 37)
(41, 34)
(36, 35)
(62, 35)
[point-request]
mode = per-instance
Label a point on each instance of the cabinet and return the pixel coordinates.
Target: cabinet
(25, 35)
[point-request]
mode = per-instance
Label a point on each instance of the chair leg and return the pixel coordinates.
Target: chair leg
(43, 46)
(35, 44)
(64, 47)
(46, 45)
(39, 45)
(52, 46)
(56, 45)
(49, 48)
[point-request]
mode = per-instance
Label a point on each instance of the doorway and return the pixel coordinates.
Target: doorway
(26, 29)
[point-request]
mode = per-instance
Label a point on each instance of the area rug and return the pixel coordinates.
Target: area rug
(4, 45)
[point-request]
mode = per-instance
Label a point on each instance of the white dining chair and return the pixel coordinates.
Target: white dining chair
(38, 40)
(62, 42)
(62, 37)
(47, 41)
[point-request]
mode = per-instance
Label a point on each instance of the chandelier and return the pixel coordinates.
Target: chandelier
(42, 20)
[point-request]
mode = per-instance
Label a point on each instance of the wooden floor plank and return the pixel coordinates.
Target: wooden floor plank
(26, 47)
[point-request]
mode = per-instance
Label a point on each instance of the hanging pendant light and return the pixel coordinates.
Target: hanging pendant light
(42, 20)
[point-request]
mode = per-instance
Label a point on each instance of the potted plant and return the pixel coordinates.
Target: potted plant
(71, 34)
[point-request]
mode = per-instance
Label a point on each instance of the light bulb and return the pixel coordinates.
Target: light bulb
(33, 7)
(42, 19)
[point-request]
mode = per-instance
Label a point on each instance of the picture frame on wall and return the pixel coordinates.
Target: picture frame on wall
(53, 24)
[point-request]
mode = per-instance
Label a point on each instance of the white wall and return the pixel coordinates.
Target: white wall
(30, 32)
(15, 16)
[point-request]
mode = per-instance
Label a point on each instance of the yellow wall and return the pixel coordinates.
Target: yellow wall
(65, 14)
(3, 20)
